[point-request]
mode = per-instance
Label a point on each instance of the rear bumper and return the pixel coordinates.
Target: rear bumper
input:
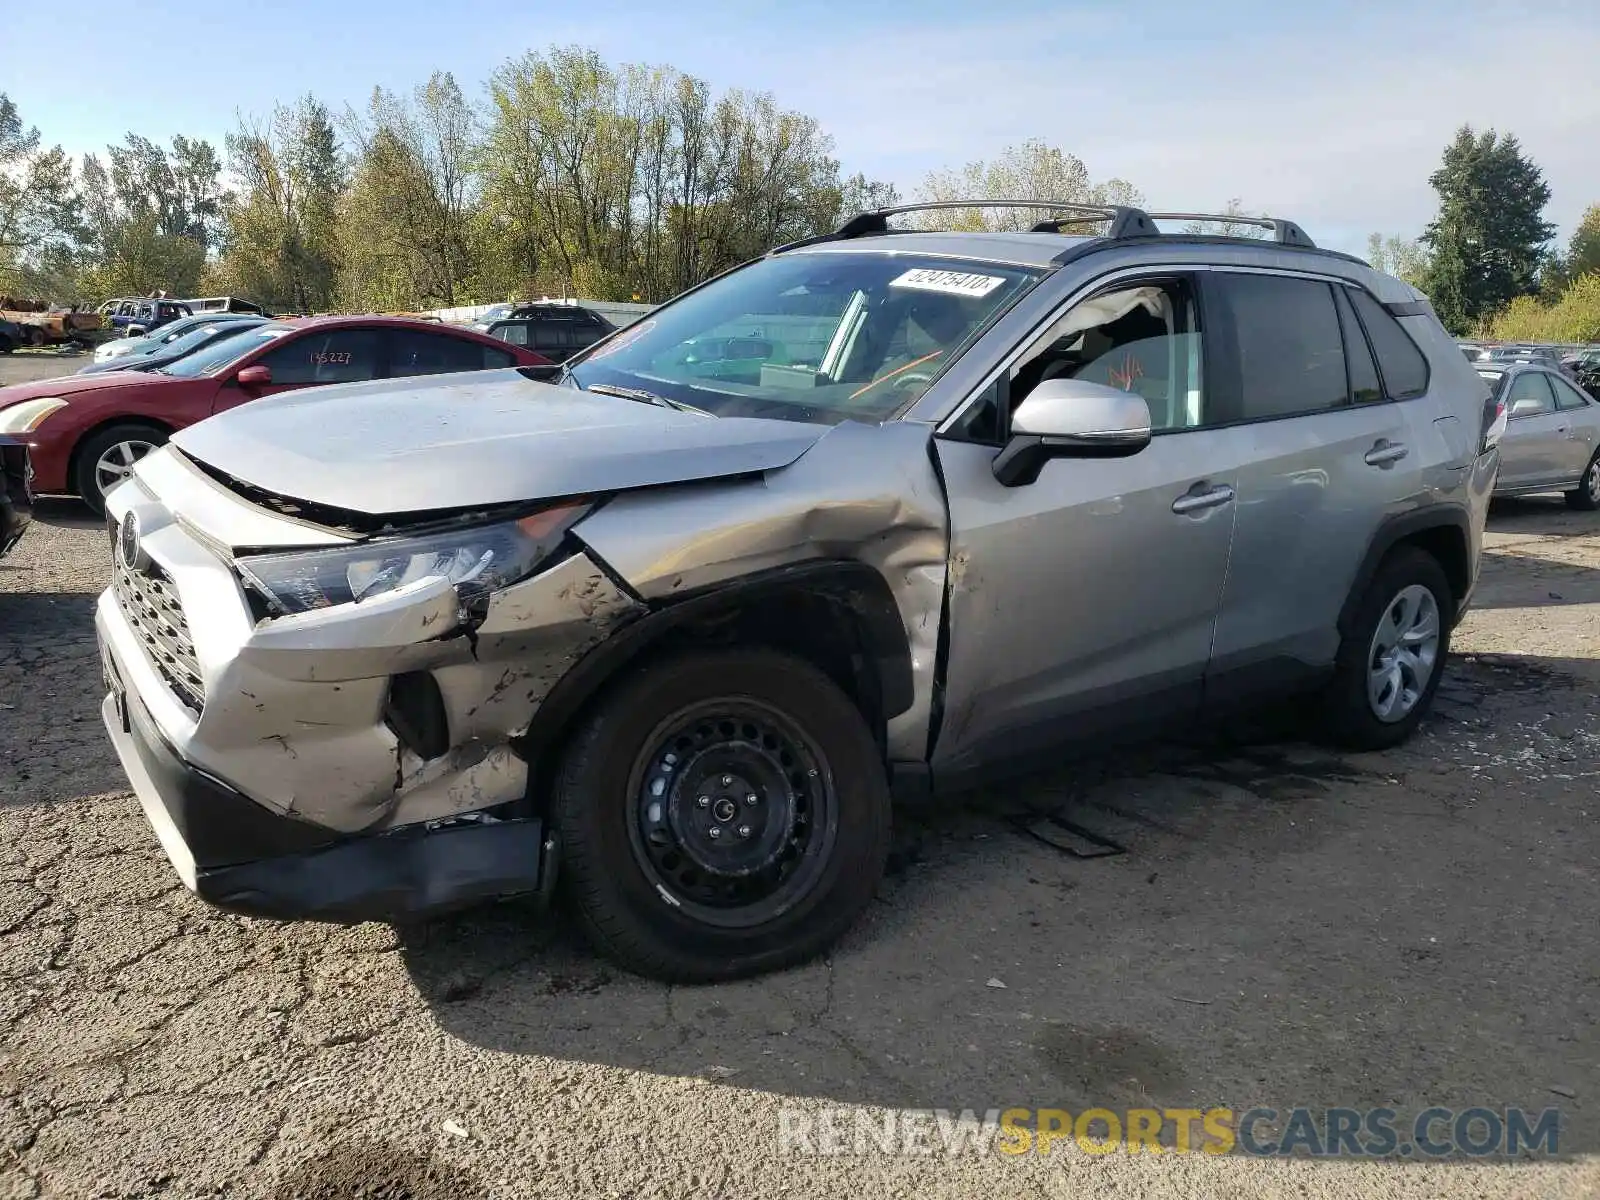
(16, 492)
(237, 855)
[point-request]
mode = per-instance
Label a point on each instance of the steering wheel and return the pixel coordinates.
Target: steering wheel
(923, 377)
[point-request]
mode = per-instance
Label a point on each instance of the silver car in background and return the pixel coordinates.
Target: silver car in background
(879, 513)
(1552, 437)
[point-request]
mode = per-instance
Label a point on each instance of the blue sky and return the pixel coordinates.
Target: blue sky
(1333, 121)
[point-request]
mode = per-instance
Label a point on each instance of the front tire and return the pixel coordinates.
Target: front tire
(104, 459)
(1586, 496)
(721, 814)
(1391, 660)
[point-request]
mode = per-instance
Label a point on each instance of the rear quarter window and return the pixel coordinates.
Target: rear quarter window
(1403, 366)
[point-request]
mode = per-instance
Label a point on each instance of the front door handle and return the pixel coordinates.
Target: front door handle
(1386, 452)
(1195, 501)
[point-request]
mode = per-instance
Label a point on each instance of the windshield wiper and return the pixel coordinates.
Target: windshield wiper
(644, 397)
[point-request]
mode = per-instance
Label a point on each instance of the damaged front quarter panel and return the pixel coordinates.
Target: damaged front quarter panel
(533, 633)
(863, 494)
(298, 722)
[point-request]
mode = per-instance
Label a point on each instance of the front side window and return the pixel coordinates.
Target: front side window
(224, 352)
(324, 356)
(822, 337)
(1285, 349)
(513, 332)
(1530, 395)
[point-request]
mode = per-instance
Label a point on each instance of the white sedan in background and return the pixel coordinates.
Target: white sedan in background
(1552, 438)
(170, 332)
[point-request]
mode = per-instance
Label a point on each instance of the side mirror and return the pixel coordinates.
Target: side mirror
(1071, 418)
(256, 376)
(1526, 408)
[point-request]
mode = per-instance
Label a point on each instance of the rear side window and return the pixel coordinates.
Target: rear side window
(551, 336)
(1568, 396)
(1402, 365)
(412, 353)
(1286, 342)
(1365, 387)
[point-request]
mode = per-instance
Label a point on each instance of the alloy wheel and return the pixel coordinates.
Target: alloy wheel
(1403, 654)
(116, 464)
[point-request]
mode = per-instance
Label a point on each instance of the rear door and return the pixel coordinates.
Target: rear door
(412, 352)
(1531, 450)
(1330, 451)
(1579, 427)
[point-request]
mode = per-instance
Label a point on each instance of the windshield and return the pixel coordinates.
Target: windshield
(820, 337)
(195, 337)
(224, 351)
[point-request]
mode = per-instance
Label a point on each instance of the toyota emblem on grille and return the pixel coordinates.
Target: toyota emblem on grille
(128, 547)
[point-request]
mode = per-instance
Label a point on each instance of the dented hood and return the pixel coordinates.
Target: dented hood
(490, 437)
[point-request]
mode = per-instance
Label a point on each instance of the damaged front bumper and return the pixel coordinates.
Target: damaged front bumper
(344, 764)
(16, 492)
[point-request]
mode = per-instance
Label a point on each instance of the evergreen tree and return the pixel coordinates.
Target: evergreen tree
(1488, 241)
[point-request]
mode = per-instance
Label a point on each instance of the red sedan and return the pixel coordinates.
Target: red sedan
(87, 431)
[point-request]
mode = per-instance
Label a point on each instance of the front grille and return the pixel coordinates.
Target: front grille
(150, 602)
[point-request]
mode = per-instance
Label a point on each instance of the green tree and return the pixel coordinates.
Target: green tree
(638, 181)
(1572, 319)
(1583, 253)
(1401, 257)
(1488, 239)
(281, 247)
(1033, 170)
(40, 210)
(406, 222)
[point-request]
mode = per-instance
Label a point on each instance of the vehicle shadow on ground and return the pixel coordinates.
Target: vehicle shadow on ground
(1545, 516)
(1283, 926)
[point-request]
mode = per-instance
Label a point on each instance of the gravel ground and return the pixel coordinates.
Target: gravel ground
(1287, 927)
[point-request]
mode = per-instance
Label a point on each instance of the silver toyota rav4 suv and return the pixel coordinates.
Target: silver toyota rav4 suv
(881, 513)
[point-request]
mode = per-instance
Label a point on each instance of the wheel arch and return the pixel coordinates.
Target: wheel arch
(840, 616)
(1443, 531)
(75, 455)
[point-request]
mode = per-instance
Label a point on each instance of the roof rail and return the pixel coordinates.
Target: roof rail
(1284, 232)
(1125, 221)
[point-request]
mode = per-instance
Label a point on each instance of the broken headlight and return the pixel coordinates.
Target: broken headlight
(477, 559)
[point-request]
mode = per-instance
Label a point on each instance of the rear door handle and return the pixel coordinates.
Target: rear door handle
(1385, 453)
(1193, 501)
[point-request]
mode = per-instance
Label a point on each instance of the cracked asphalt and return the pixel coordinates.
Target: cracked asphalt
(1286, 927)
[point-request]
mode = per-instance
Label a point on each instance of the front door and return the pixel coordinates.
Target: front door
(1085, 602)
(309, 358)
(1531, 449)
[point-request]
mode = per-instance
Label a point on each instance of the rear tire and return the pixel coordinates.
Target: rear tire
(102, 458)
(762, 747)
(1586, 496)
(1390, 662)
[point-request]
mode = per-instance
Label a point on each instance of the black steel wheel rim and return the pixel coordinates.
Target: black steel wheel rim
(732, 812)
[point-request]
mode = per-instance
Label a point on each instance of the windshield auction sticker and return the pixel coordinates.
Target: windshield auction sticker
(953, 283)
